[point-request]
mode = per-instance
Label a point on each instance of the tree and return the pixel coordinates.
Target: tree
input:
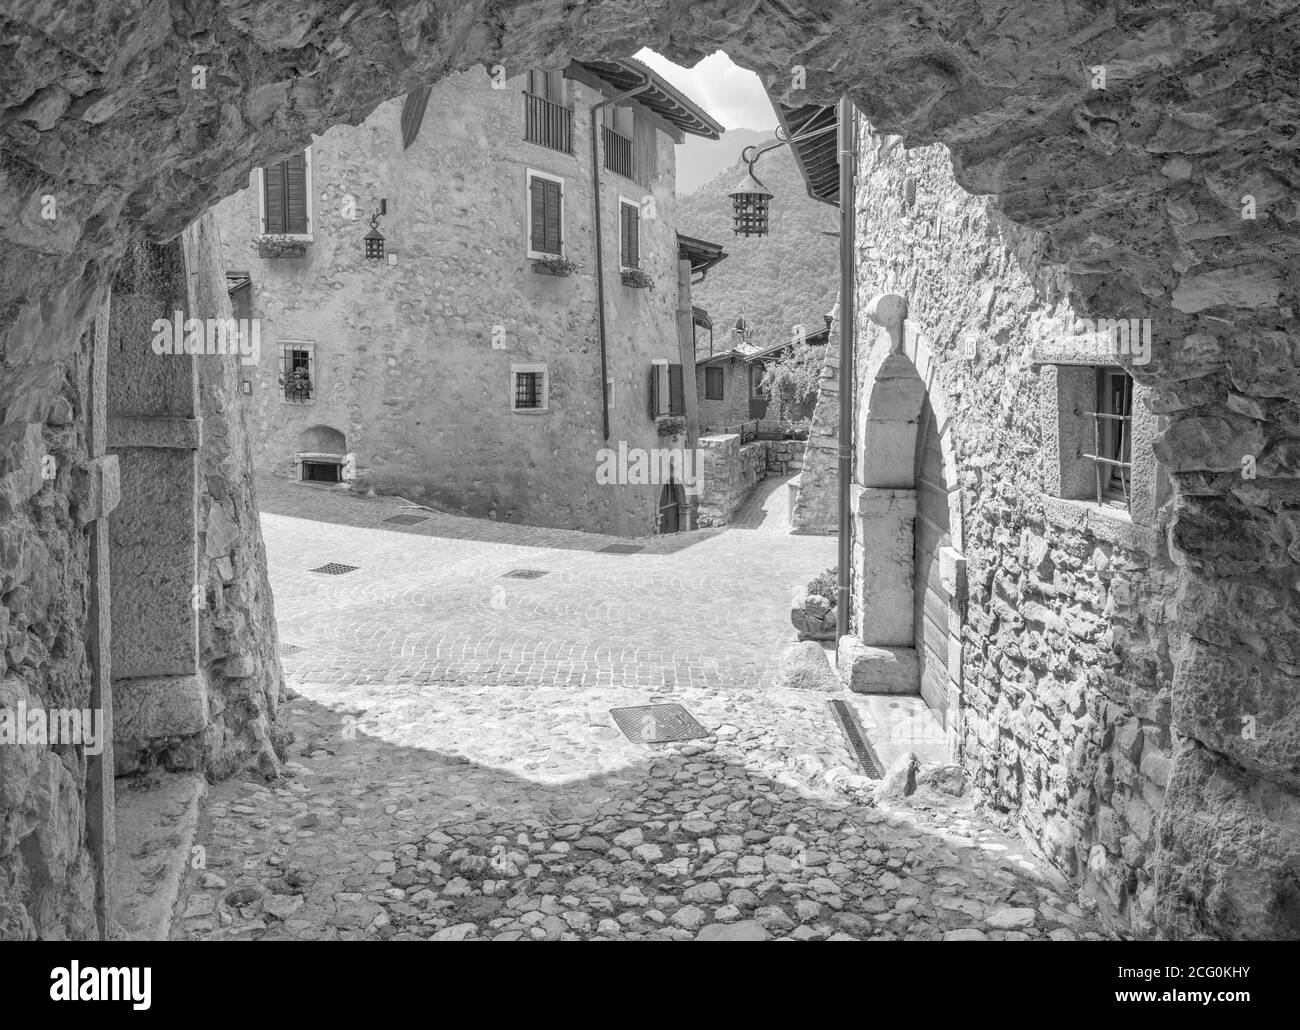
(790, 382)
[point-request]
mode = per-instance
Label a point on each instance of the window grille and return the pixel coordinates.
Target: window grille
(1112, 432)
(296, 372)
(528, 390)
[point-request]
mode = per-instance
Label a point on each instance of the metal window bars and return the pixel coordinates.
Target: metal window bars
(547, 123)
(296, 375)
(527, 390)
(1112, 438)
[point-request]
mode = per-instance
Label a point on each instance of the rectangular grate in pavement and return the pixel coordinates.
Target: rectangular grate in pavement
(290, 648)
(406, 520)
(864, 755)
(335, 569)
(621, 549)
(525, 574)
(656, 724)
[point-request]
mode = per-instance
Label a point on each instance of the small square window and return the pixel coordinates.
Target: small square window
(528, 388)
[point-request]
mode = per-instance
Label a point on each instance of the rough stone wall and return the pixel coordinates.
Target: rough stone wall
(731, 471)
(1137, 187)
(238, 643)
(413, 360)
(1070, 644)
(816, 506)
(47, 885)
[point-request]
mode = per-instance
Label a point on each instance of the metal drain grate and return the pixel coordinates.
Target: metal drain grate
(622, 549)
(855, 740)
(406, 520)
(291, 648)
(655, 724)
(525, 574)
(335, 569)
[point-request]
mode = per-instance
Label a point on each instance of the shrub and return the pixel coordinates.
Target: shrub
(825, 584)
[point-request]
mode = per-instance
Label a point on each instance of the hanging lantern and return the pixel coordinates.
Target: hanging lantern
(375, 241)
(749, 203)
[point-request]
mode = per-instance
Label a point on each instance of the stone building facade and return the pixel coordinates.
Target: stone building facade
(415, 360)
(999, 569)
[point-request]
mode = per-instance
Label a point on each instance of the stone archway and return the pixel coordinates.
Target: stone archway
(894, 555)
(1141, 189)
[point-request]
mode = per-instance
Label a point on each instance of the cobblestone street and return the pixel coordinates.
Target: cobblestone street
(456, 773)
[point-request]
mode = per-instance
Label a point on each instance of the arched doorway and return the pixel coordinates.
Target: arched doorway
(908, 567)
(672, 507)
(321, 455)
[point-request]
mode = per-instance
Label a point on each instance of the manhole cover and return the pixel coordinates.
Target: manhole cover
(291, 648)
(406, 520)
(335, 569)
(525, 574)
(622, 549)
(655, 724)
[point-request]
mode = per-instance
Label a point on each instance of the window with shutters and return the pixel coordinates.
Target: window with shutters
(529, 388)
(629, 234)
(667, 389)
(545, 215)
(285, 197)
(713, 384)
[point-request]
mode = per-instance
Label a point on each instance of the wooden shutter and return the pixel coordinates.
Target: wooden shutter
(676, 392)
(537, 202)
(643, 149)
(629, 235)
(273, 198)
(552, 225)
(654, 391)
(295, 194)
(413, 114)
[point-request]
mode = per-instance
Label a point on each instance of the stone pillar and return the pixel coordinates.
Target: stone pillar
(883, 605)
(686, 350)
(154, 429)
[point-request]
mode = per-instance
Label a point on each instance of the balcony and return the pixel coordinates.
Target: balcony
(548, 124)
(618, 153)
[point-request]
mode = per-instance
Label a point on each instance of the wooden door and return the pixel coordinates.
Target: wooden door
(930, 600)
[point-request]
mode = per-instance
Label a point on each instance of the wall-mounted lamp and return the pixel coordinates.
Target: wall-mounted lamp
(374, 238)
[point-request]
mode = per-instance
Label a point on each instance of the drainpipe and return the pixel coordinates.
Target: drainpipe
(600, 261)
(848, 206)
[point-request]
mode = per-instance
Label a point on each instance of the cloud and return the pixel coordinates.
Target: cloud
(732, 95)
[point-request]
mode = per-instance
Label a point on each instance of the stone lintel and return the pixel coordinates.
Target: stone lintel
(873, 502)
(1109, 525)
(155, 431)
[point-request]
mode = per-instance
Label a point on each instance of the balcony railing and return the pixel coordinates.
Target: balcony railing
(547, 123)
(618, 153)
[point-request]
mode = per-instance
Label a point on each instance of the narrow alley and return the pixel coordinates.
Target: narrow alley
(456, 773)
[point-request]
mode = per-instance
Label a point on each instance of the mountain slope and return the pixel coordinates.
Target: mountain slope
(789, 277)
(702, 160)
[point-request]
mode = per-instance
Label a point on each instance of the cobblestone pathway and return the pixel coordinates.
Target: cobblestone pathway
(456, 774)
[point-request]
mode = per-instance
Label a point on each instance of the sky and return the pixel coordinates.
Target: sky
(730, 94)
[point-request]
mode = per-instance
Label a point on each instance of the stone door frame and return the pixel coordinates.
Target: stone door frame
(900, 376)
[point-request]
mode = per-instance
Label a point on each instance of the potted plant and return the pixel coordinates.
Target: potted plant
(672, 426)
(555, 264)
(279, 245)
(636, 278)
(296, 383)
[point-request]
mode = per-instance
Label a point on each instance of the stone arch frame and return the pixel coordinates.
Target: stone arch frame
(897, 383)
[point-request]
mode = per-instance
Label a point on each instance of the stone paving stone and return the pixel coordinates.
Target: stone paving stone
(456, 774)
